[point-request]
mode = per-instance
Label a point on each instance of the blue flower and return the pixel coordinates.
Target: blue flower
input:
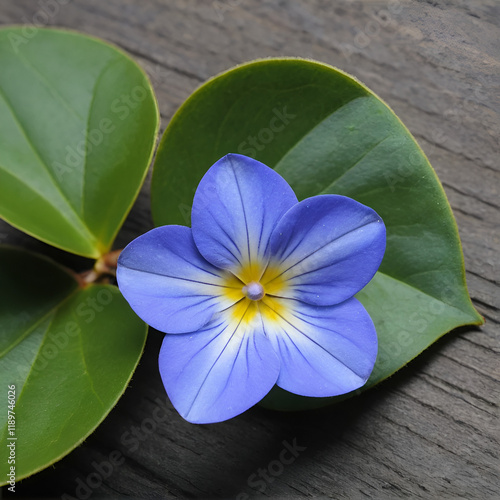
(258, 292)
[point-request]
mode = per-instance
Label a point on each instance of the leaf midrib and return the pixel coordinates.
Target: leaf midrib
(39, 321)
(42, 162)
(30, 66)
(52, 312)
(63, 214)
(105, 68)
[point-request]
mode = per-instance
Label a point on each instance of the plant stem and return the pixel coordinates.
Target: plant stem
(104, 269)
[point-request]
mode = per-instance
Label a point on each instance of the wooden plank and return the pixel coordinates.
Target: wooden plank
(431, 431)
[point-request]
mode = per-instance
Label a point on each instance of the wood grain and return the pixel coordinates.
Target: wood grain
(431, 431)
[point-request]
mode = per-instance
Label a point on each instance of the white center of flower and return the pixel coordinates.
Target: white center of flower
(254, 290)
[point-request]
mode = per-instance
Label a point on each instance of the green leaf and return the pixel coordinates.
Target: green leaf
(327, 133)
(78, 122)
(70, 352)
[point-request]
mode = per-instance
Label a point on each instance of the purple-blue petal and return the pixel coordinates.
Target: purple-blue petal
(168, 283)
(219, 371)
(328, 248)
(324, 350)
(236, 207)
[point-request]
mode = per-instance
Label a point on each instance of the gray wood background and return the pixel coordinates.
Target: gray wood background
(431, 431)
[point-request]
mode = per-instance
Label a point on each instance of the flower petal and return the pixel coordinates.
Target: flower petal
(169, 284)
(236, 206)
(324, 351)
(220, 371)
(326, 248)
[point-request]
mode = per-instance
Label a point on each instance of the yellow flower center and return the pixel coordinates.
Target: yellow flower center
(255, 290)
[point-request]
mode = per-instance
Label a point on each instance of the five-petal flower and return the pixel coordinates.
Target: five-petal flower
(258, 292)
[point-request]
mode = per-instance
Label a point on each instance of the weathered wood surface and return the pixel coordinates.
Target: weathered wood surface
(431, 431)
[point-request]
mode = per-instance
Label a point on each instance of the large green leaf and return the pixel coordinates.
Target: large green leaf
(78, 122)
(327, 133)
(69, 352)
